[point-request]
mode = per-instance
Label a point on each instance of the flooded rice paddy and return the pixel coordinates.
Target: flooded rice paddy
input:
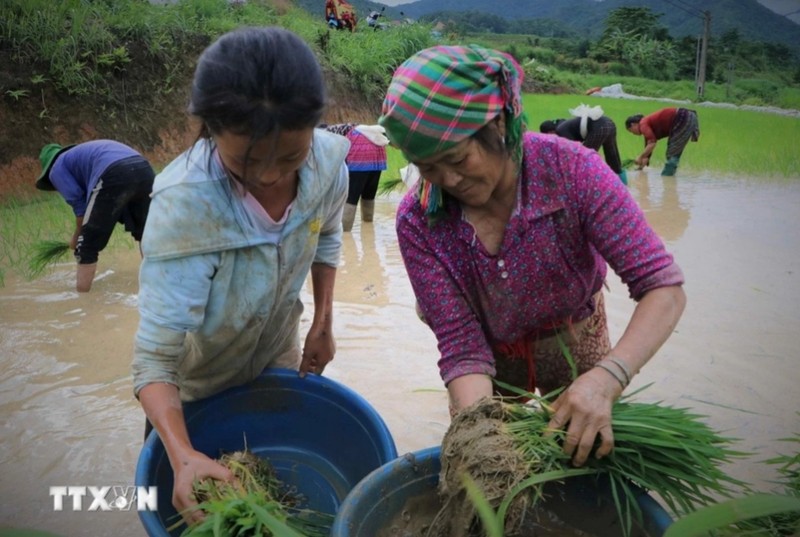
(69, 416)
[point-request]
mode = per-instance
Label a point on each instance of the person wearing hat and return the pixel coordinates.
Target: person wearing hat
(105, 182)
(507, 239)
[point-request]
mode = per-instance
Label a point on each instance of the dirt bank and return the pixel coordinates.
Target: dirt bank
(138, 113)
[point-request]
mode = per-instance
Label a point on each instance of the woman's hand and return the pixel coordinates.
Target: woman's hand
(317, 352)
(641, 161)
(191, 467)
(320, 346)
(585, 410)
(162, 405)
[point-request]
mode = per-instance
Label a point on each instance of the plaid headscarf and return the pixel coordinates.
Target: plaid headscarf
(442, 95)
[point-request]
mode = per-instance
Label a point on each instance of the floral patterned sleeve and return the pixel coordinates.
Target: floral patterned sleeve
(434, 271)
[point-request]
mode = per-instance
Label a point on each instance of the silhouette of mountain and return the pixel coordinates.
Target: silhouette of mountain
(753, 20)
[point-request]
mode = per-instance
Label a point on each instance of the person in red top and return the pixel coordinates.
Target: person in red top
(348, 21)
(678, 125)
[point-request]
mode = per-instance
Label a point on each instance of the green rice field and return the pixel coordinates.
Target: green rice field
(732, 143)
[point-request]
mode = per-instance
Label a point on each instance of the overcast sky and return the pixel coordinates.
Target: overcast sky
(784, 7)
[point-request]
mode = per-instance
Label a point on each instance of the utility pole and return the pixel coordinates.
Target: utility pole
(701, 71)
(697, 50)
(731, 66)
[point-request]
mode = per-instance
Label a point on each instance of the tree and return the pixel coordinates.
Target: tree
(686, 58)
(656, 59)
(632, 35)
(469, 21)
(612, 46)
(636, 21)
(729, 42)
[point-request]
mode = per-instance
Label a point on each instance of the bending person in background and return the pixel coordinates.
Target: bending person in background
(105, 182)
(238, 222)
(507, 241)
(594, 130)
(678, 125)
(372, 18)
(366, 160)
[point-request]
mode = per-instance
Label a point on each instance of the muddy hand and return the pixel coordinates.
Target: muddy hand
(192, 467)
(318, 351)
(584, 409)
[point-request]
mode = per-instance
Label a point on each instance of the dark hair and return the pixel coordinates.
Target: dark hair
(549, 125)
(633, 119)
(491, 139)
(257, 81)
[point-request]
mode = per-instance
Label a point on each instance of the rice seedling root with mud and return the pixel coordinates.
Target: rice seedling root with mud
(256, 503)
(507, 450)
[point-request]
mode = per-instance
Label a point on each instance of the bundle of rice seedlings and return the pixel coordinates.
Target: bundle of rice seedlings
(387, 186)
(754, 515)
(46, 253)
(255, 503)
(789, 466)
(785, 506)
(664, 450)
(628, 163)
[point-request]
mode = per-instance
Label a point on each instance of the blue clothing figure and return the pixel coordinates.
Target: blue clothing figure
(105, 182)
(237, 224)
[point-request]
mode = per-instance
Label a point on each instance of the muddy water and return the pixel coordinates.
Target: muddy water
(69, 418)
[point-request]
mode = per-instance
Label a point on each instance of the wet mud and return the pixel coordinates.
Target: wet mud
(69, 416)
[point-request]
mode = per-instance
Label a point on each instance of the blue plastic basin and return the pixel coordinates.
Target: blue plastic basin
(321, 437)
(581, 502)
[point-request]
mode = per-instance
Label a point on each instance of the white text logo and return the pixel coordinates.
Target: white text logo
(109, 498)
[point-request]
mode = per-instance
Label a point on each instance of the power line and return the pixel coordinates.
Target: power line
(688, 9)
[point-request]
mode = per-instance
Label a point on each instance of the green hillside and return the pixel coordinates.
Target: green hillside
(585, 17)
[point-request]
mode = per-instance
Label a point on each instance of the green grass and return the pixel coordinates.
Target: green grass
(774, 514)
(45, 218)
(564, 67)
(82, 44)
(368, 59)
(739, 142)
(78, 44)
(735, 142)
(394, 162)
(744, 91)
